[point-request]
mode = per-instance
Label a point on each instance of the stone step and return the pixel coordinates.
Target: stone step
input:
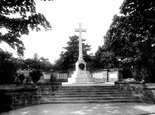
(91, 89)
(88, 87)
(94, 101)
(92, 98)
(87, 91)
(90, 94)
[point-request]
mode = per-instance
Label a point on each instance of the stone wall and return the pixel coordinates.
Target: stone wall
(145, 92)
(60, 76)
(25, 95)
(110, 75)
(47, 90)
(100, 76)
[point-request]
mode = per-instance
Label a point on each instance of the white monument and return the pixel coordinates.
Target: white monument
(80, 75)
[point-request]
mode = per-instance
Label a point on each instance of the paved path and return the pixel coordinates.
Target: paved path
(86, 109)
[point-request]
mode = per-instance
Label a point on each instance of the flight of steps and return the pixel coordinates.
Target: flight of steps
(91, 94)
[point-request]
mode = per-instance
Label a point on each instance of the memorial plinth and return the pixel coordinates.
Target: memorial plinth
(80, 75)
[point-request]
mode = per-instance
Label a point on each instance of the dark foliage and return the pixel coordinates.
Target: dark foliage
(126, 73)
(8, 67)
(131, 38)
(21, 77)
(34, 64)
(69, 57)
(104, 59)
(17, 17)
(35, 75)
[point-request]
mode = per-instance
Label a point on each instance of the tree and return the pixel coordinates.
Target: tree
(35, 75)
(8, 67)
(69, 57)
(45, 64)
(28, 69)
(36, 63)
(131, 36)
(104, 59)
(97, 59)
(17, 16)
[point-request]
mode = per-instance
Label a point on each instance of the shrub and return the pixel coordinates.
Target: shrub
(146, 74)
(35, 75)
(137, 74)
(8, 68)
(21, 77)
(126, 72)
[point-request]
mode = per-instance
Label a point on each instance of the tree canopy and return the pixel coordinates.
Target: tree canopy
(8, 67)
(69, 56)
(104, 59)
(17, 17)
(131, 36)
(35, 63)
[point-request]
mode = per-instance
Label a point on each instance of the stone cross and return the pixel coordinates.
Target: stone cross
(80, 30)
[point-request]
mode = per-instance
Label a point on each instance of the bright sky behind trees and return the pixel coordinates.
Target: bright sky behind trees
(64, 16)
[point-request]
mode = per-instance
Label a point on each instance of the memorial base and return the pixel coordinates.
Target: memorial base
(81, 77)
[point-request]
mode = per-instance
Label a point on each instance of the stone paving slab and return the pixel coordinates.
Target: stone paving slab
(86, 109)
(89, 84)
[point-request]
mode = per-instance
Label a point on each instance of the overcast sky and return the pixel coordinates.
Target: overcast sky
(64, 16)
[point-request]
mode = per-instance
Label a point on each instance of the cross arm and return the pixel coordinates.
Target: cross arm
(82, 30)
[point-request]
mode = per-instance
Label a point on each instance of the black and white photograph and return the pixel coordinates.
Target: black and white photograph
(77, 57)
